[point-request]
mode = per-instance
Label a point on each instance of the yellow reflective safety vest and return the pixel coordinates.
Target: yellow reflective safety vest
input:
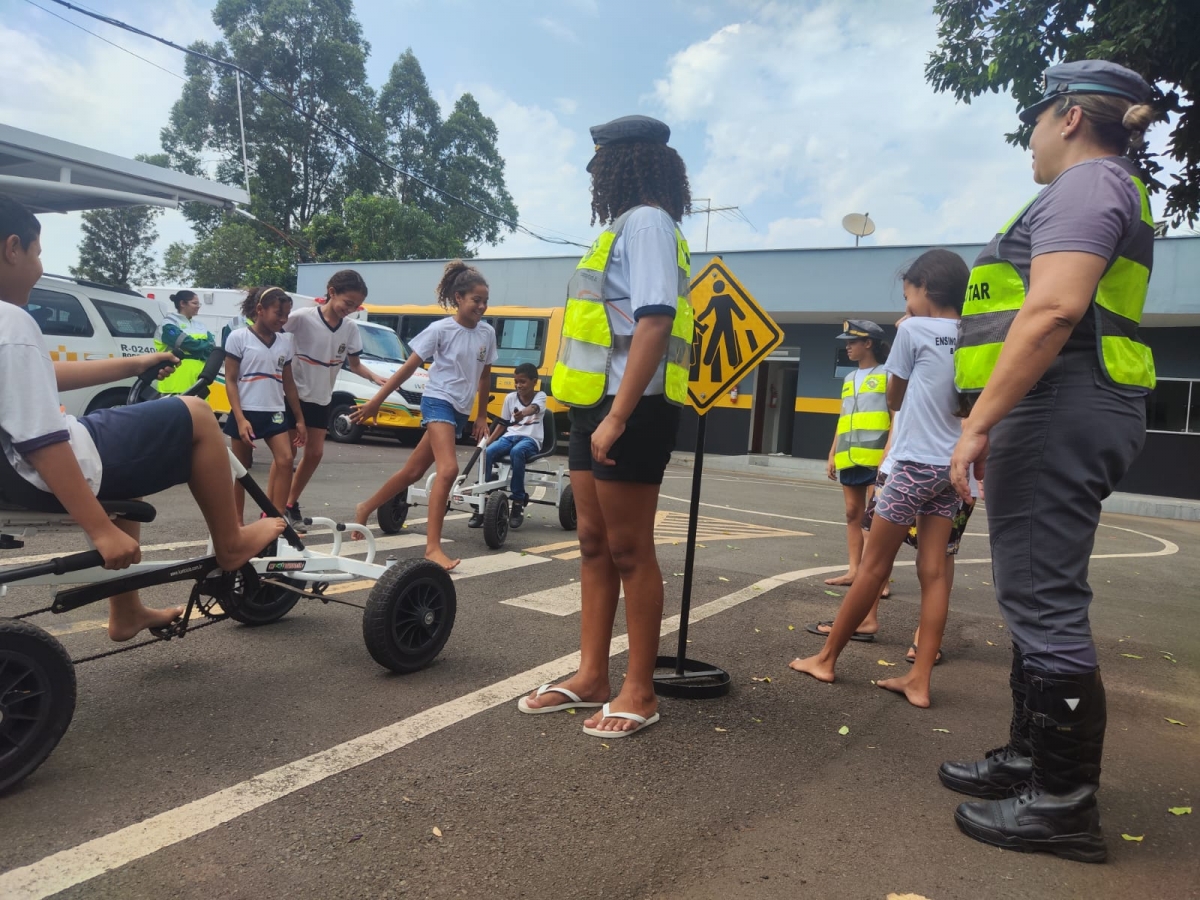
(996, 292)
(191, 364)
(585, 354)
(862, 428)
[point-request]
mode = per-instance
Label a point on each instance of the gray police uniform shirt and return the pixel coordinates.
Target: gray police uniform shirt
(1092, 207)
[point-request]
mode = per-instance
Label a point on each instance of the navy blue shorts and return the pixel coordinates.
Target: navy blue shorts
(145, 448)
(857, 476)
(265, 424)
(642, 451)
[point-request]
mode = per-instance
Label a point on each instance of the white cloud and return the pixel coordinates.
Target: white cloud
(77, 88)
(567, 106)
(824, 110)
(557, 30)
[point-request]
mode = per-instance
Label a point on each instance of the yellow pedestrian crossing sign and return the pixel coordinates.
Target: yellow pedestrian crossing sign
(733, 335)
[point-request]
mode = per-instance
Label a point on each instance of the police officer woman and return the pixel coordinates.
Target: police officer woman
(191, 344)
(1049, 353)
(623, 370)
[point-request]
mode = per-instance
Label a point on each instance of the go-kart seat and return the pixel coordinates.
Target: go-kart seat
(18, 494)
(549, 439)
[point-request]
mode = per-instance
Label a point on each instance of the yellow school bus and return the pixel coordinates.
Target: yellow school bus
(524, 334)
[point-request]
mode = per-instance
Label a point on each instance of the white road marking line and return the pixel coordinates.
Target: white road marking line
(755, 512)
(564, 600)
(73, 866)
(495, 562)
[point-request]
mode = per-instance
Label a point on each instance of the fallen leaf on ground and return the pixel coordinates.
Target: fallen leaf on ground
(906, 897)
(570, 712)
(845, 729)
(1131, 656)
(722, 578)
(722, 730)
(791, 628)
(766, 679)
(942, 730)
(1136, 838)
(355, 838)
(990, 644)
(833, 593)
(1176, 722)
(437, 832)
(759, 722)
(884, 662)
(605, 746)
(701, 546)
(756, 631)
(407, 799)
(1180, 810)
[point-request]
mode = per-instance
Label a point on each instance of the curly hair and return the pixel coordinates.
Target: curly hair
(266, 297)
(457, 279)
(629, 175)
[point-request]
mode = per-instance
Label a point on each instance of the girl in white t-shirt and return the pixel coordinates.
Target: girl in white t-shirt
(258, 380)
(463, 348)
(921, 377)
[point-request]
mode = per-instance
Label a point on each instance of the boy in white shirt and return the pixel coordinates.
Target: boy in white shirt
(111, 454)
(523, 438)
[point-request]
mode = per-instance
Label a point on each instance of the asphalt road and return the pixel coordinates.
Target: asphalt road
(282, 762)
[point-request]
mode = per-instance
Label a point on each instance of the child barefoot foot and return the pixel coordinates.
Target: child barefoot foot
(916, 693)
(250, 541)
(841, 580)
(127, 623)
(815, 666)
(439, 557)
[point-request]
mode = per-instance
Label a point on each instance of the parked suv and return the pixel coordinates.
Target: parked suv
(82, 320)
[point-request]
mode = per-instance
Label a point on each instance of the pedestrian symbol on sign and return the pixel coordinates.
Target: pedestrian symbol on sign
(732, 335)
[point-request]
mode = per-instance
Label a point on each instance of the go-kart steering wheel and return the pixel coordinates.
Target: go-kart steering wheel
(143, 388)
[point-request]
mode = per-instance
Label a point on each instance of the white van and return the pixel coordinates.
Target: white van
(82, 320)
(383, 353)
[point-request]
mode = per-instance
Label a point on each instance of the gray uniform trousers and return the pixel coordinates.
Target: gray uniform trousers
(1061, 451)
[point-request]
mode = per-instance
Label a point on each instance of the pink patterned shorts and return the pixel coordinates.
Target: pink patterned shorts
(917, 489)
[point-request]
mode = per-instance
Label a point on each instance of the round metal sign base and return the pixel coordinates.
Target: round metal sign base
(698, 681)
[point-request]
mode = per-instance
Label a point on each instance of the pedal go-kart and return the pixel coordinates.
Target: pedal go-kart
(492, 497)
(407, 618)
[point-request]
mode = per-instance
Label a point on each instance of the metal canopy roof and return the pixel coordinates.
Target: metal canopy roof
(49, 175)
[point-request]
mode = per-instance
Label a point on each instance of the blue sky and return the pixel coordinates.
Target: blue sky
(796, 112)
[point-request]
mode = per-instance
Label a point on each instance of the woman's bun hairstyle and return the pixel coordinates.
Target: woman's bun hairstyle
(1136, 120)
(457, 278)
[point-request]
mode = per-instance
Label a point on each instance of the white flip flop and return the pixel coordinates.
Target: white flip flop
(574, 701)
(606, 713)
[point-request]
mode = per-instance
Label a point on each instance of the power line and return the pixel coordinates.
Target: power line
(345, 138)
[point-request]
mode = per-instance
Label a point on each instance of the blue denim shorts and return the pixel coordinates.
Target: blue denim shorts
(435, 409)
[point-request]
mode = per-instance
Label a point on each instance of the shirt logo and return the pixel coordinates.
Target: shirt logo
(870, 383)
(482, 354)
(280, 361)
(341, 349)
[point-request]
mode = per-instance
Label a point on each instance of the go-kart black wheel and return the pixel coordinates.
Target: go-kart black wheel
(495, 520)
(341, 429)
(37, 698)
(392, 514)
(252, 602)
(409, 615)
(566, 510)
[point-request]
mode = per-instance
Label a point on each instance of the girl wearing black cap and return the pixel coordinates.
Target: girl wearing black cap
(623, 370)
(1048, 350)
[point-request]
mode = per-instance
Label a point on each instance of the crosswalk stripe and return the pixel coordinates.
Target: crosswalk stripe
(495, 562)
(564, 600)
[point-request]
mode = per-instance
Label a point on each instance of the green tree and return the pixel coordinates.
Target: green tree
(175, 269)
(381, 227)
(411, 120)
(984, 46)
(238, 254)
(310, 51)
(116, 242)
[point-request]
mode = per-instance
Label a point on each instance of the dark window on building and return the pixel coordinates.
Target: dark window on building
(1174, 407)
(125, 321)
(59, 314)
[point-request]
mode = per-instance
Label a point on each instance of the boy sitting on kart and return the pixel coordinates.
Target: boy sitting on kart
(111, 454)
(523, 408)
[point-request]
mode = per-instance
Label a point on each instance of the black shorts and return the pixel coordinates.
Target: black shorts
(641, 452)
(144, 448)
(266, 424)
(316, 415)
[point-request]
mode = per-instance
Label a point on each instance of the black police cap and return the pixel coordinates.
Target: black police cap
(1088, 76)
(629, 130)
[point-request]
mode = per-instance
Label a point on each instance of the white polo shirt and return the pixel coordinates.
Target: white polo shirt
(260, 369)
(320, 352)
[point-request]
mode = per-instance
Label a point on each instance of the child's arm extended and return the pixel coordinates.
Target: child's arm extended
(359, 368)
(233, 366)
(371, 408)
(59, 468)
(484, 393)
(293, 400)
(89, 373)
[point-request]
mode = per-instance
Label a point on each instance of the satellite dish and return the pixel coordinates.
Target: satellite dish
(859, 225)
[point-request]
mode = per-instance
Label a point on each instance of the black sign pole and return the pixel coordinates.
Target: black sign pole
(689, 678)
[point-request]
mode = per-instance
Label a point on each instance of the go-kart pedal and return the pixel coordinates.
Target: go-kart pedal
(177, 628)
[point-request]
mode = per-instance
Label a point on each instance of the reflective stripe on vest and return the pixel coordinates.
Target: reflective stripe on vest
(996, 292)
(862, 428)
(585, 353)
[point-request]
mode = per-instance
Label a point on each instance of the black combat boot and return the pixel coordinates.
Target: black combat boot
(1057, 812)
(1002, 769)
